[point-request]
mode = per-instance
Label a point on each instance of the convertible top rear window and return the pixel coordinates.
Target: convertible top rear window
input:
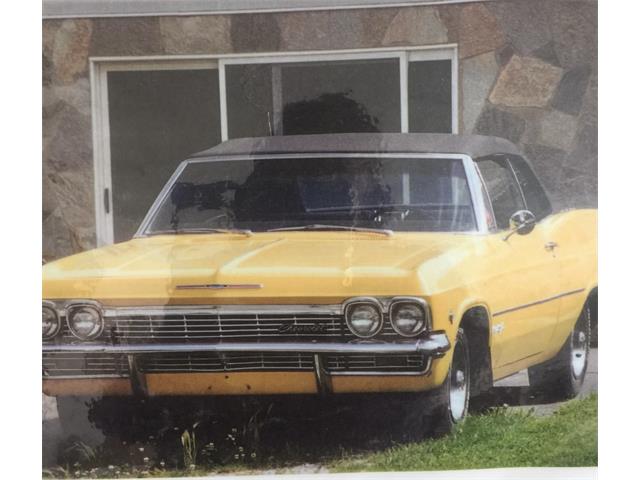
(402, 194)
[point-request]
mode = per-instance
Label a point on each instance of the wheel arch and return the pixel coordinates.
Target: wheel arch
(476, 323)
(592, 302)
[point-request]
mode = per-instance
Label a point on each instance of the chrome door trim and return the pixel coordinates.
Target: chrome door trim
(537, 302)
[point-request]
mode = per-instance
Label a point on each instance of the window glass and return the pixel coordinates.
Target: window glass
(249, 100)
(534, 195)
(397, 193)
(488, 211)
(156, 119)
(430, 96)
(341, 97)
(314, 97)
(502, 189)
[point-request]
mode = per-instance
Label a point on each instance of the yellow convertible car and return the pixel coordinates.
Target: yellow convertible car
(330, 264)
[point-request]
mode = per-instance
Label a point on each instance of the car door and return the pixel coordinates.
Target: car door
(571, 241)
(523, 274)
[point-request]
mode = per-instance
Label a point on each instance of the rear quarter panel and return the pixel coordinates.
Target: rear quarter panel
(576, 233)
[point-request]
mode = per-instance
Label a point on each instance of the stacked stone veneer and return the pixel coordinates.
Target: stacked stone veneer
(527, 70)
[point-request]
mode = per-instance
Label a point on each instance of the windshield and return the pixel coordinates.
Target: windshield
(400, 194)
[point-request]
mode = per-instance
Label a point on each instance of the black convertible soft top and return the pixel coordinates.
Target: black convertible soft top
(473, 145)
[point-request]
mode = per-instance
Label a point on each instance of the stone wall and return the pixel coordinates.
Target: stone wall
(528, 72)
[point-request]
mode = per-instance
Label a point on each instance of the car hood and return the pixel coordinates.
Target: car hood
(321, 267)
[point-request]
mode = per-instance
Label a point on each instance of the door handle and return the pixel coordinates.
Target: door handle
(550, 246)
(107, 204)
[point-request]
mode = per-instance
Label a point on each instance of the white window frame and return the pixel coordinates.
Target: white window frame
(100, 66)
(103, 191)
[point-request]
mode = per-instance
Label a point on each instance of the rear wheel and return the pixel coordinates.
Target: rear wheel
(562, 377)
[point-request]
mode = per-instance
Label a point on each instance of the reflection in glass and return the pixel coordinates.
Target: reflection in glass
(157, 118)
(316, 97)
(403, 194)
(430, 96)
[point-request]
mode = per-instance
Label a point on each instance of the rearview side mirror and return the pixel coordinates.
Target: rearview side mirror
(522, 222)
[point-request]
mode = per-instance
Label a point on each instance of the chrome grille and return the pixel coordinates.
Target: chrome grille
(375, 363)
(229, 362)
(207, 326)
(79, 364)
(210, 326)
(109, 365)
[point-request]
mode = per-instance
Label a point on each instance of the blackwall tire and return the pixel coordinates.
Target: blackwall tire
(562, 377)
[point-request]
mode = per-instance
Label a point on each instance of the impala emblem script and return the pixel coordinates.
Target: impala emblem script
(221, 286)
(302, 329)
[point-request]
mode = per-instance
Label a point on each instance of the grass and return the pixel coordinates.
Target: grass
(499, 439)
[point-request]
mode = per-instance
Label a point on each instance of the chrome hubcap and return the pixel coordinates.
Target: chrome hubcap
(459, 388)
(579, 346)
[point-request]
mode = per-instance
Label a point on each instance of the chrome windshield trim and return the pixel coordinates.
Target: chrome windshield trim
(321, 227)
(436, 343)
(466, 160)
(159, 199)
(477, 199)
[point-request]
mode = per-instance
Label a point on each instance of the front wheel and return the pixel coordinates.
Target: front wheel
(436, 412)
(562, 377)
(450, 402)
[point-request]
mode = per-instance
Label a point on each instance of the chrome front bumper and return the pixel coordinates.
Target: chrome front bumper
(435, 344)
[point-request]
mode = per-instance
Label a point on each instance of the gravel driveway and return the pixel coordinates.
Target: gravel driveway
(514, 389)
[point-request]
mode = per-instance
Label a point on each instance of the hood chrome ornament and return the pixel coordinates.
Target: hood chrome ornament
(221, 286)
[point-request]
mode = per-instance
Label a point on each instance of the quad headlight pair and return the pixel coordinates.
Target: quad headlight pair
(84, 321)
(409, 316)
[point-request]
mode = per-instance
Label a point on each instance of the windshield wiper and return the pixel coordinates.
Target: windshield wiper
(181, 231)
(379, 231)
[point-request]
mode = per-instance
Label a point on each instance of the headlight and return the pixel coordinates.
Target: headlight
(408, 317)
(364, 318)
(85, 321)
(50, 322)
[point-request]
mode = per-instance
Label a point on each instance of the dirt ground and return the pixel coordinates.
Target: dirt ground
(297, 431)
